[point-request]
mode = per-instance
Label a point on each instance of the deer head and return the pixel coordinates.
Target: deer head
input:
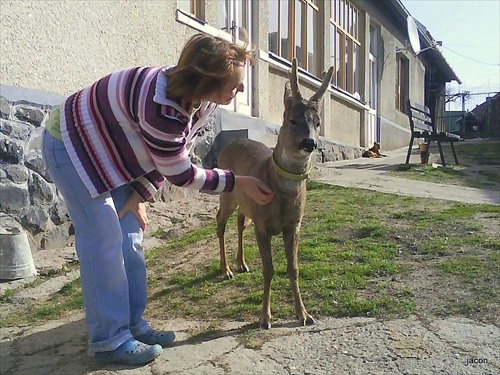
(301, 120)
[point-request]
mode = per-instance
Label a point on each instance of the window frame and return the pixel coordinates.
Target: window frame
(345, 26)
(402, 83)
(196, 8)
(311, 66)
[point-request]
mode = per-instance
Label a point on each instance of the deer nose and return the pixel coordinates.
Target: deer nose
(308, 144)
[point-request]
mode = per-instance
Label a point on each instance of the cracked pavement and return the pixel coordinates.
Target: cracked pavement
(331, 346)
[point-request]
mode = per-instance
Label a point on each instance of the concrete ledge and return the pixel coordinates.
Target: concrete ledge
(16, 94)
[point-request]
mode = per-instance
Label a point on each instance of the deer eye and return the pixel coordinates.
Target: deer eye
(292, 122)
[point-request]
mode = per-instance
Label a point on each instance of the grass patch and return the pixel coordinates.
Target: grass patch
(350, 251)
(478, 167)
(481, 153)
(467, 267)
(479, 276)
(449, 175)
(7, 295)
(358, 254)
(67, 299)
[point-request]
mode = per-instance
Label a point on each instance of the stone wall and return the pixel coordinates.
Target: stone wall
(27, 193)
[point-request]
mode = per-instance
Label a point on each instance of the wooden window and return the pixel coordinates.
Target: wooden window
(355, 68)
(294, 32)
(234, 19)
(345, 46)
(402, 82)
(193, 7)
(285, 29)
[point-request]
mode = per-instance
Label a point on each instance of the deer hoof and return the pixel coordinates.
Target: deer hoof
(265, 325)
(244, 269)
(229, 275)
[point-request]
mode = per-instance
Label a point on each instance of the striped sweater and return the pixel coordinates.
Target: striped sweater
(123, 129)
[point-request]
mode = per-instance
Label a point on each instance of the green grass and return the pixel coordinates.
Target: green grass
(481, 153)
(7, 295)
(469, 268)
(358, 252)
(481, 278)
(427, 172)
(349, 254)
(67, 299)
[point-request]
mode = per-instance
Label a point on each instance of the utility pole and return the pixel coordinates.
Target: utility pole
(464, 95)
(462, 125)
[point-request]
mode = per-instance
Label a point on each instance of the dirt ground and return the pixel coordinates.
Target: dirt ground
(31, 350)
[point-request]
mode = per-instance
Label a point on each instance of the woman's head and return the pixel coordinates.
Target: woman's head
(209, 68)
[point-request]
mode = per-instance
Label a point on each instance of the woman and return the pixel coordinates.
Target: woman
(108, 148)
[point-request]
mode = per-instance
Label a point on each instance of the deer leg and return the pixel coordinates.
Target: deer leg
(264, 243)
(243, 223)
(225, 210)
(291, 240)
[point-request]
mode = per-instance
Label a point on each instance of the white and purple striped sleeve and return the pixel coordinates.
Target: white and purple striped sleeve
(164, 131)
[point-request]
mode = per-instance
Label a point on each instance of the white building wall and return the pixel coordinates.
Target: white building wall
(62, 46)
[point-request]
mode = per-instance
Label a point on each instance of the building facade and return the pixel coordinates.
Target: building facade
(59, 47)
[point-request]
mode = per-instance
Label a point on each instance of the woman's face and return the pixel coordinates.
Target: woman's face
(235, 85)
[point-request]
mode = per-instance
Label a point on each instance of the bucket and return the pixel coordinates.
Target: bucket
(16, 261)
(424, 152)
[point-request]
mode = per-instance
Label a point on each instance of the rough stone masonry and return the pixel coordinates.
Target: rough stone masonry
(27, 193)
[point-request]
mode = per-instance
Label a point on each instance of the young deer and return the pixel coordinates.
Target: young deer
(285, 170)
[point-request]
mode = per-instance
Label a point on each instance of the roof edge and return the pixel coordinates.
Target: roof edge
(426, 39)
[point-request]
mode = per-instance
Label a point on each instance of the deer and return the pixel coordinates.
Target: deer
(285, 169)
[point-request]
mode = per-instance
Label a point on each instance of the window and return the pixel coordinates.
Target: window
(402, 82)
(234, 18)
(345, 45)
(192, 7)
(294, 32)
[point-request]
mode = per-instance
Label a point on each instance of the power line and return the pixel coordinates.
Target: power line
(471, 58)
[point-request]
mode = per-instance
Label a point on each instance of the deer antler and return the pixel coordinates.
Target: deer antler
(321, 91)
(294, 84)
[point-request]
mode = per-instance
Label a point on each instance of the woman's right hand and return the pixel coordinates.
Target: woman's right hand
(258, 191)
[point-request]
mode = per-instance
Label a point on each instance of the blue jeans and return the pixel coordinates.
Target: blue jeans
(112, 264)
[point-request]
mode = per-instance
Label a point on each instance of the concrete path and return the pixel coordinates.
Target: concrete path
(453, 346)
(372, 174)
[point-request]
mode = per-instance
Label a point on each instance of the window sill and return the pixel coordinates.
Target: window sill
(402, 111)
(285, 65)
(200, 25)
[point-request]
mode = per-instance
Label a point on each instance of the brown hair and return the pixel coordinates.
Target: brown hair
(206, 64)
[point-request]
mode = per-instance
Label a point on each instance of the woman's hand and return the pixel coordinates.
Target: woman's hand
(255, 189)
(135, 205)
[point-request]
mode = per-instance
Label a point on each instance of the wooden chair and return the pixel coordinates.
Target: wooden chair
(421, 126)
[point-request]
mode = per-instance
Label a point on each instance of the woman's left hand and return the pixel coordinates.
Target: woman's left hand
(135, 205)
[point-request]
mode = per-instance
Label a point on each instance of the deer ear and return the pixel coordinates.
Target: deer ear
(327, 77)
(294, 81)
(288, 91)
(287, 99)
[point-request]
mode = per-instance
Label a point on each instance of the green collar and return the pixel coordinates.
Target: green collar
(291, 176)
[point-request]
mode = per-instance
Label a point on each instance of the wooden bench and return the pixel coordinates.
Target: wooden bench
(422, 126)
